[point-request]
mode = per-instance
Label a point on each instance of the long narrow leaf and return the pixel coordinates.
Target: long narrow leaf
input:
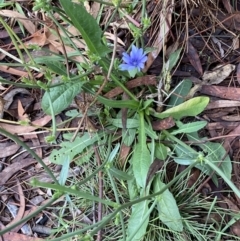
(87, 26)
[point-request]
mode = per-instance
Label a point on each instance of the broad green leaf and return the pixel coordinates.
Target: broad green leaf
(215, 154)
(113, 153)
(141, 162)
(57, 67)
(160, 151)
(191, 107)
(167, 207)
(179, 93)
(61, 97)
(132, 186)
(189, 127)
(129, 136)
(87, 26)
(150, 132)
(141, 159)
(131, 123)
(173, 59)
(139, 211)
(71, 149)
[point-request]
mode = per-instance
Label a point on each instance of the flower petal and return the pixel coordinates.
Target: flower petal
(126, 67)
(134, 52)
(126, 58)
(143, 59)
(141, 65)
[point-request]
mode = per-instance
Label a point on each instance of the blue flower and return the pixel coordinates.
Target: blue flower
(134, 61)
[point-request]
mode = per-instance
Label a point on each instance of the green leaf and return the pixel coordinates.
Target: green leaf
(167, 207)
(180, 93)
(160, 151)
(131, 123)
(57, 67)
(141, 162)
(129, 136)
(189, 127)
(141, 159)
(173, 59)
(139, 211)
(61, 97)
(150, 132)
(87, 26)
(119, 174)
(71, 149)
(215, 154)
(131, 104)
(191, 107)
(64, 171)
(132, 186)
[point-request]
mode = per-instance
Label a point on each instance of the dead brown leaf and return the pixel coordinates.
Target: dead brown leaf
(13, 168)
(17, 129)
(154, 167)
(218, 74)
(230, 93)
(21, 115)
(21, 209)
(194, 58)
(124, 152)
(8, 149)
(231, 136)
(164, 124)
(11, 236)
(165, 19)
(30, 27)
(222, 104)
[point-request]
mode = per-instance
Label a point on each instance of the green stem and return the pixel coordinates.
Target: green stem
(115, 79)
(73, 190)
(175, 139)
(223, 176)
(21, 143)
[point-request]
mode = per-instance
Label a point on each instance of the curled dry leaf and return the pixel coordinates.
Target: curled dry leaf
(218, 74)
